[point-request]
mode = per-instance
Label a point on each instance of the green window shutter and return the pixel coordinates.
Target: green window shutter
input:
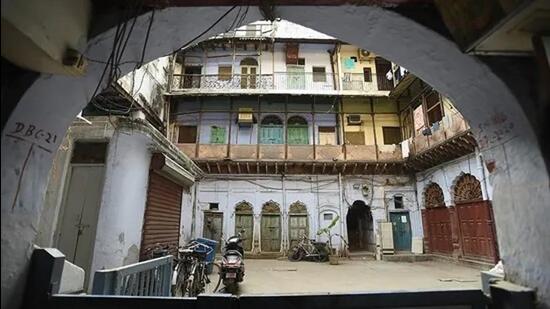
(217, 135)
(271, 134)
(298, 135)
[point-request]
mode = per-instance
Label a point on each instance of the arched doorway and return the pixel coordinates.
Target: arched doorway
(297, 222)
(249, 69)
(437, 221)
(244, 220)
(297, 131)
(271, 227)
(360, 227)
(475, 217)
(271, 130)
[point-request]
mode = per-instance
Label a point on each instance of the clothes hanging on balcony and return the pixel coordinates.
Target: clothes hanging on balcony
(405, 148)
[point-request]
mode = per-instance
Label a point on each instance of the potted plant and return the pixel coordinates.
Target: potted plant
(332, 255)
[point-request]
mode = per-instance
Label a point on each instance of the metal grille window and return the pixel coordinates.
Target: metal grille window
(367, 75)
(433, 107)
(398, 202)
(187, 134)
(217, 135)
(392, 135)
(319, 74)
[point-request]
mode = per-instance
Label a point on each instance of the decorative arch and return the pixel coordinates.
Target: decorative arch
(271, 207)
(244, 207)
(298, 208)
(297, 121)
(249, 61)
(433, 196)
(467, 188)
(272, 120)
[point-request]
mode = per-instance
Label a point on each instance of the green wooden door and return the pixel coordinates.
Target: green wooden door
(297, 227)
(296, 77)
(271, 233)
(271, 134)
(401, 231)
(217, 135)
(298, 135)
(245, 222)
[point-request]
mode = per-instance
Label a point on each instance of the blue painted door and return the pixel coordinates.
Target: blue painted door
(271, 134)
(401, 231)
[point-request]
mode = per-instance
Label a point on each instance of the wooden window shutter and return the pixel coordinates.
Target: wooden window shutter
(217, 135)
(292, 53)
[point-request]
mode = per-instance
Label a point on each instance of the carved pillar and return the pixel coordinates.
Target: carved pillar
(455, 231)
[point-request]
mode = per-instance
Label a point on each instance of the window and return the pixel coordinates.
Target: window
(355, 138)
(433, 107)
(392, 135)
(89, 152)
(217, 135)
(367, 75)
(327, 136)
(213, 206)
(319, 74)
(224, 72)
(327, 216)
(301, 61)
(187, 134)
(398, 202)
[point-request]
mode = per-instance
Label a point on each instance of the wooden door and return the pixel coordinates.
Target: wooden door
(297, 227)
(271, 233)
(298, 135)
(161, 222)
(271, 134)
(477, 230)
(213, 227)
(246, 223)
(248, 77)
(439, 236)
(382, 67)
(80, 213)
(401, 231)
(296, 78)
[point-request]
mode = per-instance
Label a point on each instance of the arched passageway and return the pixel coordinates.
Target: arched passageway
(360, 227)
(505, 135)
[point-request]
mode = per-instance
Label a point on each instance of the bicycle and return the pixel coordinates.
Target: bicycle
(309, 250)
(191, 276)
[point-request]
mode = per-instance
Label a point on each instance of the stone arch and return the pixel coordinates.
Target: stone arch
(298, 207)
(244, 207)
(297, 121)
(272, 120)
(433, 196)
(271, 207)
(52, 102)
(249, 61)
(466, 188)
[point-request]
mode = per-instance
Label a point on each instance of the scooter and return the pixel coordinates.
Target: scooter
(232, 266)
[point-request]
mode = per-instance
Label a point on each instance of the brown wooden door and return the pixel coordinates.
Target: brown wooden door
(382, 67)
(271, 233)
(439, 230)
(161, 223)
(477, 230)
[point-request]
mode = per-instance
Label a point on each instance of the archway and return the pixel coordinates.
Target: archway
(476, 220)
(249, 69)
(359, 224)
(271, 130)
(520, 177)
(297, 222)
(271, 227)
(244, 220)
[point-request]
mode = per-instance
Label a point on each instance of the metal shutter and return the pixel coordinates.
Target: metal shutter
(161, 223)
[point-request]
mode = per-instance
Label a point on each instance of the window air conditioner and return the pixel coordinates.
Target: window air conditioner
(364, 54)
(354, 120)
(245, 116)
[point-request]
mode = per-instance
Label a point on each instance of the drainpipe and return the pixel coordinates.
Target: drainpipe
(283, 232)
(479, 158)
(194, 210)
(340, 205)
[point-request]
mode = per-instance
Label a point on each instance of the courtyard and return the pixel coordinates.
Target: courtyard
(285, 277)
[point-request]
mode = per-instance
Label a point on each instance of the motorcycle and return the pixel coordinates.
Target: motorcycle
(309, 250)
(232, 265)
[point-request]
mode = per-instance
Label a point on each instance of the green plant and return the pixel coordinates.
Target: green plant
(327, 231)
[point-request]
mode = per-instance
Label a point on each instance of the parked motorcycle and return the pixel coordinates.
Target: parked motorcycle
(232, 266)
(309, 250)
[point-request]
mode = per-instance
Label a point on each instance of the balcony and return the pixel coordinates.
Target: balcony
(277, 83)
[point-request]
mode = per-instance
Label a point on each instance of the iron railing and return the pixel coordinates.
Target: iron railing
(366, 83)
(148, 278)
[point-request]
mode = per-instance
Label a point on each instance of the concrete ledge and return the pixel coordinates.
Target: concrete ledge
(464, 262)
(410, 258)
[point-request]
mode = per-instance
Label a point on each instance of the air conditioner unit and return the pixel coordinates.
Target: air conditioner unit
(354, 120)
(245, 117)
(364, 54)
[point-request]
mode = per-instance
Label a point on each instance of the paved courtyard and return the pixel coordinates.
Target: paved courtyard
(284, 277)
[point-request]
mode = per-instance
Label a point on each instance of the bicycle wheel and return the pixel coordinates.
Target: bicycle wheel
(296, 255)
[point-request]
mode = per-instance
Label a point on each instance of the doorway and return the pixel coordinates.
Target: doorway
(82, 200)
(213, 226)
(249, 71)
(360, 227)
(271, 227)
(244, 220)
(401, 225)
(296, 77)
(192, 77)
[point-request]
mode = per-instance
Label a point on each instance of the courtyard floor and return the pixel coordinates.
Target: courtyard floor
(285, 277)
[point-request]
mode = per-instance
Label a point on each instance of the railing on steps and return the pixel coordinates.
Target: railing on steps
(147, 278)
